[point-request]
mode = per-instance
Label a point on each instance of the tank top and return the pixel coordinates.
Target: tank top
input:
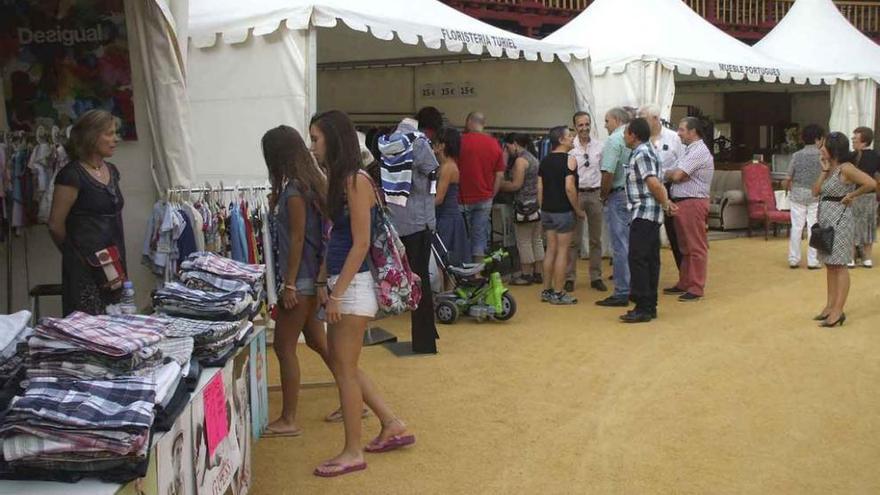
(529, 190)
(341, 241)
(449, 206)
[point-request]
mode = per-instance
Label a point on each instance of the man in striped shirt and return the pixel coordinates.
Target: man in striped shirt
(691, 179)
(646, 200)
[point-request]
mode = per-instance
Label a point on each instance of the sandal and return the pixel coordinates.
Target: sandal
(336, 416)
(393, 443)
(344, 469)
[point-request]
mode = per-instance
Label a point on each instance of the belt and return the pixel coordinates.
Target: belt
(588, 189)
(676, 200)
(615, 189)
(835, 199)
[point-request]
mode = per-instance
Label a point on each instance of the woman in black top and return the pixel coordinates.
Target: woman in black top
(865, 207)
(86, 214)
(557, 196)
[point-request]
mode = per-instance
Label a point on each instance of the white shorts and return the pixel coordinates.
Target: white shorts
(360, 297)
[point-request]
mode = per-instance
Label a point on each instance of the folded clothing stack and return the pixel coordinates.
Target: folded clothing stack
(67, 429)
(213, 341)
(204, 270)
(176, 299)
(86, 347)
(14, 332)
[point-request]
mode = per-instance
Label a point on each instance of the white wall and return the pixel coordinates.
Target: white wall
(512, 93)
(38, 261)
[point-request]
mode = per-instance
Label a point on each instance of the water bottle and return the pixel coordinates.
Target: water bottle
(126, 304)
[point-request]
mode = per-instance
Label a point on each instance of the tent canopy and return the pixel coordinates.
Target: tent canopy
(618, 32)
(435, 23)
(815, 34)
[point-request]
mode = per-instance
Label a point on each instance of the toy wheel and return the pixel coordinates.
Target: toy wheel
(446, 312)
(508, 307)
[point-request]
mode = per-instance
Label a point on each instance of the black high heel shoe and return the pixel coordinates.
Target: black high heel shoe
(820, 317)
(837, 323)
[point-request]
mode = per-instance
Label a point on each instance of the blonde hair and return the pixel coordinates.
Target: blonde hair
(85, 132)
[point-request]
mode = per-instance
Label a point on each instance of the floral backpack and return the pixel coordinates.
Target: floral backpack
(398, 288)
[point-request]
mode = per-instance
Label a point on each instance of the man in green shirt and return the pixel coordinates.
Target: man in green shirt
(615, 156)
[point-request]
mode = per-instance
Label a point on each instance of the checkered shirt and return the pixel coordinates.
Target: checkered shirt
(116, 335)
(225, 267)
(643, 163)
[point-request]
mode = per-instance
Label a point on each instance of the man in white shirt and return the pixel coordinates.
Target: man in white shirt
(669, 148)
(587, 156)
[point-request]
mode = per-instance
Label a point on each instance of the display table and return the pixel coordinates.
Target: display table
(208, 450)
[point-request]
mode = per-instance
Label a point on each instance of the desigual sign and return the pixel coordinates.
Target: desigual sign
(66, 37)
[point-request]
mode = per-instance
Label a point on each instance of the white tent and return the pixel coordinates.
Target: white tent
(815, 34)
(262, 72)
(636, 45)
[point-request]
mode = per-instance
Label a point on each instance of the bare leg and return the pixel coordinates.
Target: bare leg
(287, 329)
(561, 258)
(355, 388)
(841, 291)
(539, 268)
(829, 283)
(550, 260)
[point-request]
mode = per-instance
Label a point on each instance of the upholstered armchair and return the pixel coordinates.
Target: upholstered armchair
(761, 200)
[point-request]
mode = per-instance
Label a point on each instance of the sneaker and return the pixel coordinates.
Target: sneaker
(794, 266)
(814, 267)
(688, 297)
(599, 285)
(851, 264)
(546, 295)
(673, 290)
(521, 280)
(636, 317)
(867, 263)
(537, 278)
(562, 298)
(569, 286)
(613, 302)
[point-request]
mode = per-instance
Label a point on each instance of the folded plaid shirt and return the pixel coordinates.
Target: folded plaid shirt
(124, 403)
(202, 331)
(208, 281)
(179, 349)
(225, 267)
(114, 335)
(24, 445)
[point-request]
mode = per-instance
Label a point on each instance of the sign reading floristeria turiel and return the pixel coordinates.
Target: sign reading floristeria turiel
(59, 59)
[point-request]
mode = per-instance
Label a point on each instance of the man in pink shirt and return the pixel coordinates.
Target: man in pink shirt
(481, 167)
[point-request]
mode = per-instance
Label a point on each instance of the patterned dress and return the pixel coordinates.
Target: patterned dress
(839, 216)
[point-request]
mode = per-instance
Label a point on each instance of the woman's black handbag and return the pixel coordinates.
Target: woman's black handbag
(822, 238)
(526, 212)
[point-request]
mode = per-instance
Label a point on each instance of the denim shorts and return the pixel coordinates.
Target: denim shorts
(304, 286)
(562, 223)
(359, 299)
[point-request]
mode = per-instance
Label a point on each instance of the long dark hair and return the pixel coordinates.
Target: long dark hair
(451, 139)
(342, 155)
(837, 145)
(523, 140)
(287, 157)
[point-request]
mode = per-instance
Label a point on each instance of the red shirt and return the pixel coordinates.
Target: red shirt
(480, 159)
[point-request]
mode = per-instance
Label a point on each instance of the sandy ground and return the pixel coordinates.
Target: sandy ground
(738, 393)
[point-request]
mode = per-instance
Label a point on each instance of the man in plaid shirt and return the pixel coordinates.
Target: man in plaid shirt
(646, 200)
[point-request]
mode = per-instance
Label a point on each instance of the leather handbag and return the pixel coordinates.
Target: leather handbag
(108, 263)
(822, 238)
(526, 212)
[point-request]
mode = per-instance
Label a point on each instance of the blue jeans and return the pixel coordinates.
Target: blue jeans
(618, 217)
(477, 218)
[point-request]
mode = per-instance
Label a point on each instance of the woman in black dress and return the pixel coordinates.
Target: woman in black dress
(86, 214)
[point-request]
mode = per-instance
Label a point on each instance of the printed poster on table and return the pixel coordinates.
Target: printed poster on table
(59, 59)
(214, 473)
(259, 385)
(241, 482)
(174, 454)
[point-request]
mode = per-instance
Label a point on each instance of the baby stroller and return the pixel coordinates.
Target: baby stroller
(478, 290)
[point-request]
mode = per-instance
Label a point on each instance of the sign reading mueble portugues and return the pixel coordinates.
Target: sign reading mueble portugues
(60, 59)
(748, 69)
(448, 90)
(473, 38)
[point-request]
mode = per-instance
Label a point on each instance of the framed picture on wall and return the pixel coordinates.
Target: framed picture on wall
(59, 59)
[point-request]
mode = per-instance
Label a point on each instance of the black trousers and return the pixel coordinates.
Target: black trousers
(669, 226)
(424, 331)
(644, 264)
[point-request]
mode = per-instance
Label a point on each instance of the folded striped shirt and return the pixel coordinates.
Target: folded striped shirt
(225, 267)
(115, 335)
(123, 403)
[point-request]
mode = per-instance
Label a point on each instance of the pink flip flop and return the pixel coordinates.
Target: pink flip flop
(350, 468)
(393, 443)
